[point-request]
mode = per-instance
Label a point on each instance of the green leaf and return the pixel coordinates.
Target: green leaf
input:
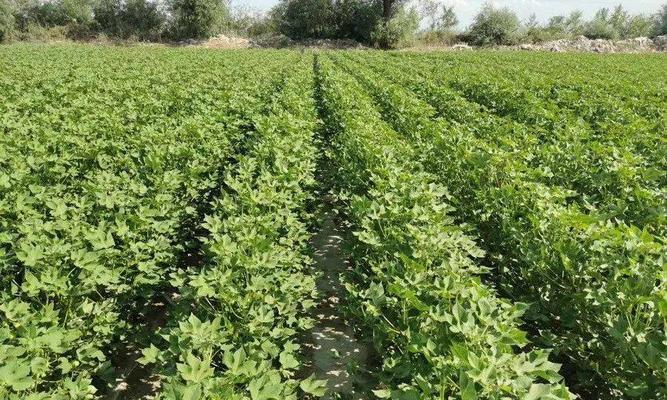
(313, 386)
(288, 361)
(468, 391)
(234, 361)
(150, 355)
(16, 375)
(537, 391)
(195, 370)
(382, 393)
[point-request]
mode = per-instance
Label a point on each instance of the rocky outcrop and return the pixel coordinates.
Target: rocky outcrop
(461, 46)
(583, 44)
(660, 43)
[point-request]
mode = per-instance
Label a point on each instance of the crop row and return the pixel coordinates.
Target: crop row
(101, 174)
(239, 314)
(596, 286)
(612, 175)
(440, 331)
(629, 112)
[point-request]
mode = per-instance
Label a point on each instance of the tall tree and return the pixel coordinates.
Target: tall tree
(6, 20)
(198, 19)
(661, 21)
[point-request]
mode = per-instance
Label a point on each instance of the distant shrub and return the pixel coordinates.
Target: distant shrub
(445, 38)
(600, 27)
(638, 26)
(302, 19)
(34, 32)
(618, 24)
(198, 19)
(141, 19)
(661, 21)
(398, 31)
(6, 20)
(493, 26)
(327, 19)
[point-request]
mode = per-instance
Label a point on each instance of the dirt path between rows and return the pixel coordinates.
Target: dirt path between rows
(336, 354)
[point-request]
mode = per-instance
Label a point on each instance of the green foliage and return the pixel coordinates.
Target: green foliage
(601, 26)
(94, 221)
(6, 20)
(398, 31)
(134, 18)
(240, 313)
(618, 24)
(440, 17)
(346, 19)
(440, 332)
(661, 21)
(494, 26)
(541, 187)
(361, 20)
(307, 19)
(505, 216)
(197, 19)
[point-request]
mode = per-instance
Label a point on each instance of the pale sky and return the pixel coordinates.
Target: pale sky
(466, 9)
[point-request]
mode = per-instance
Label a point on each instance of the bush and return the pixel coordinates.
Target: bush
(638, 26)
(301, 19)
(78, 12)
(6, 20)
(599, 29)
(246, 22)
(356, 19)
(48, 14)
(494, 26)
(198, 19)
(139, 19)
(443, 38)
(618, 25)
(75, 31)
(143, 19)
(398, 31)
(661, 22)
(33, 32)
(360, 20)
(533, 32)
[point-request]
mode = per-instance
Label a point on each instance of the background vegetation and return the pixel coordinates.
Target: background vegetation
(380, 23)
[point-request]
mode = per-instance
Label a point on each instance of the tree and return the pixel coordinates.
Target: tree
(440, 17)
(198, 19)
(143, 19)
(6, 20)
(301, 19)
(356, 19)
(661, 21)
(618, 21)
(574, 23)
(534, 32)
(108, 16)
(133, 18)
(360, 20)
(557, 25)
(400, 28)
(429, 11)
(638, 26)
(600, 26)
(77, 11)
(494, 26)
(448, 20)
